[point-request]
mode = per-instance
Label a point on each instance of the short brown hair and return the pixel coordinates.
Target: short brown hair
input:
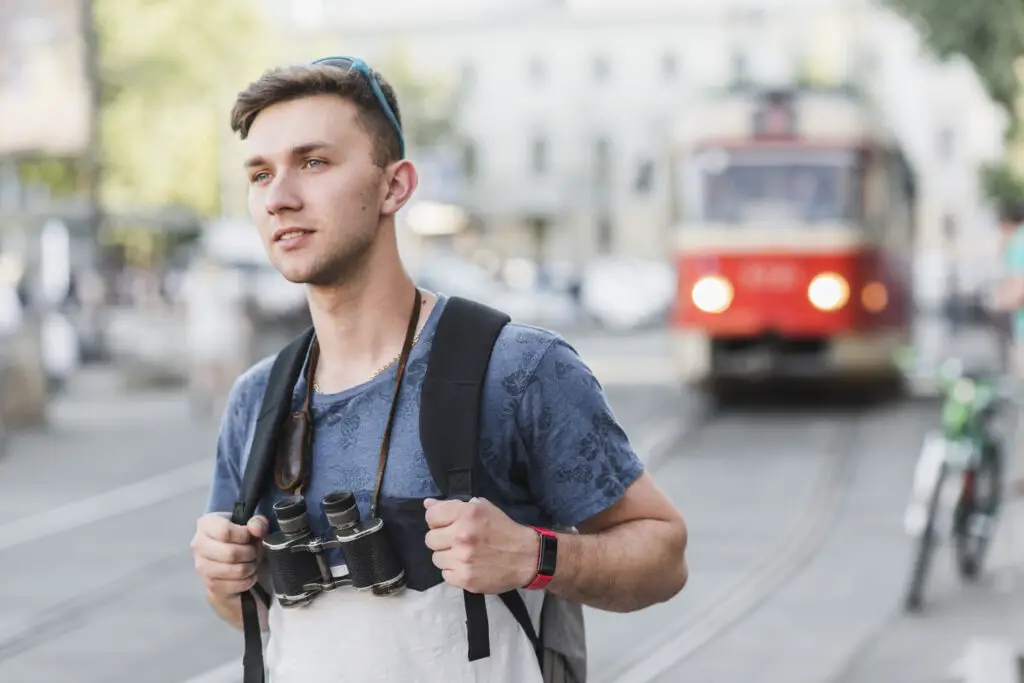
(287, 83)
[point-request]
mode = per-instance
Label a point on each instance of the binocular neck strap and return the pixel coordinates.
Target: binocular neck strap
(298, 479)
(399, 374)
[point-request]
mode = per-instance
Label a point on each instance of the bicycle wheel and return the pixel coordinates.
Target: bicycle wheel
(977, 512)
(925, 546)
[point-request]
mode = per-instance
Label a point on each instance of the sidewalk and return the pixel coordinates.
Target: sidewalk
(98, 398)
(966, 633)
(994, 652)
(99, 438)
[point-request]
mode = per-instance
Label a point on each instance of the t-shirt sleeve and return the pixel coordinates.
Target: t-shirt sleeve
(580, 459)
(231, 449)
(1015, 256)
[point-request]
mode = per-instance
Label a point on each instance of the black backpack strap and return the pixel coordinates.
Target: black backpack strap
(452, 391)
(450, 431)
(277, 404)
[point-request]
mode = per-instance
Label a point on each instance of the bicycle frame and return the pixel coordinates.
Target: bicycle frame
(958, 445)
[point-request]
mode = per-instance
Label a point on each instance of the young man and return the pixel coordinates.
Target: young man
(327, 176)
(1009, 299)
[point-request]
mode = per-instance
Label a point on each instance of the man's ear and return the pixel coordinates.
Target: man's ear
(402, 182)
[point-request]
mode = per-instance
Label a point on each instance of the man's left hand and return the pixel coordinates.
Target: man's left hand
(478, 547)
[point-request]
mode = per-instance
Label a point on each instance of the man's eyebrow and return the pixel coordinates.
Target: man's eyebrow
(310, 147)
(297, 151)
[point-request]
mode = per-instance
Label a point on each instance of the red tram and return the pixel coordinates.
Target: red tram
(794, 228)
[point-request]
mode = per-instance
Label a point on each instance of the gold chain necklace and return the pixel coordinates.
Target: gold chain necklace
(316, 385)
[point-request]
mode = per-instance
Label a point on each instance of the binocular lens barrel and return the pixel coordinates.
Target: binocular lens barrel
(291, 515)
(340, 509)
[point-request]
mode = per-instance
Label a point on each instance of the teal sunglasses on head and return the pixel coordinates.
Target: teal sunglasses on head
(349, 63)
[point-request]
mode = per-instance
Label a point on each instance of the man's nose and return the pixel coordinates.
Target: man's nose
(283, 195)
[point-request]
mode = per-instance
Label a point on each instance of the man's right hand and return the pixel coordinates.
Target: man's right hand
(227, 555)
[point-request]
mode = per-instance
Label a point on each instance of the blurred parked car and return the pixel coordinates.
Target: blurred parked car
(625, 294)
(455, 276)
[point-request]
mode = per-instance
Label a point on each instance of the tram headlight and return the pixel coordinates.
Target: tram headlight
(828, 292)
(712, 294)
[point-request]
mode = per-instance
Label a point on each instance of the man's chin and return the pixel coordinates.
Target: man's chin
(295, 278)
(306, 277)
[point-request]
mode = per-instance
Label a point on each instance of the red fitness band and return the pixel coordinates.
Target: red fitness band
(547, 553)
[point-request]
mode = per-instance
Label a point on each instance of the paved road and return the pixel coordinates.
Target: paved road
(797, 556)
(781, 505)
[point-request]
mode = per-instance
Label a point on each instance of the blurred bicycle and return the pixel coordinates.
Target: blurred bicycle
(958, 480)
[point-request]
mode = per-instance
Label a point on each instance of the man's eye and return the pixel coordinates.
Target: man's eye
(314, 163)
(260, 177)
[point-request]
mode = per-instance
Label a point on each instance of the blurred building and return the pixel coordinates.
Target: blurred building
(564, 108)
(44, 96)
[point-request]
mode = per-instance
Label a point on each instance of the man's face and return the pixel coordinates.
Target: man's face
(1007, 229)
(315, 194)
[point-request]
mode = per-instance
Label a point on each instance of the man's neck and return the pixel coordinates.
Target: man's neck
(361, 325)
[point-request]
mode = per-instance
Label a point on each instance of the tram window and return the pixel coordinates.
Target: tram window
(808, 192)
(902, 198)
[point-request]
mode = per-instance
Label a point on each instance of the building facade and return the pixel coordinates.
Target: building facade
(564, 109)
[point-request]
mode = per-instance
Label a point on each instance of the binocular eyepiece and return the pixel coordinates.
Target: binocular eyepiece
(298, 568)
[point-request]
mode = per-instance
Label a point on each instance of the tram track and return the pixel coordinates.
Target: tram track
(769, 574)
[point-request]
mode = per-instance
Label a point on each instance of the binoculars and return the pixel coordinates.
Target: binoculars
(298, 568)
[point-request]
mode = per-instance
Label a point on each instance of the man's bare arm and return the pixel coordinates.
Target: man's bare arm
(1009, 294)
(627, 558)
(230, 610)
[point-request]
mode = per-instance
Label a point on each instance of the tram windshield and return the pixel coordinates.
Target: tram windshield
(772, 185)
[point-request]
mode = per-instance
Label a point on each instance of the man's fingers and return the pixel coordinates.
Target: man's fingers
(211, 569)
(439, 539)
(220, 529)
(443, 513)
(258, 526)
(226, 553)
(444, 560)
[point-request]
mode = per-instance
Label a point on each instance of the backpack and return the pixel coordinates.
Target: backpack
(449, 432)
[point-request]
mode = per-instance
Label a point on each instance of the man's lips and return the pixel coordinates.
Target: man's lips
(285, 234)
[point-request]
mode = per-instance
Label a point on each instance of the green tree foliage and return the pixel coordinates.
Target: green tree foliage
(59, 175)
(168, 72)
(990, 35)
(1002, 182)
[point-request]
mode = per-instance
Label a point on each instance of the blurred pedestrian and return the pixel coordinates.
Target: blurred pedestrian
(217, 333)
(1009, 300)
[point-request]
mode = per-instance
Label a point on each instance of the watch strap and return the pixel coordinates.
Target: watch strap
(547, 555)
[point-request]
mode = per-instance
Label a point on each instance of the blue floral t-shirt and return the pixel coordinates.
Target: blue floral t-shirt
(551, 454)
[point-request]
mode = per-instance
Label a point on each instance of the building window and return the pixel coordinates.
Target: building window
(538, 72)
(740, 68)
(946, 146)
(470, 162)
(644, 177)
(539, 155)
(669, 66)
(539, 227)
(468, 76)
(605, 236)
(601, 68)
(602, 162)
(949, 229)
